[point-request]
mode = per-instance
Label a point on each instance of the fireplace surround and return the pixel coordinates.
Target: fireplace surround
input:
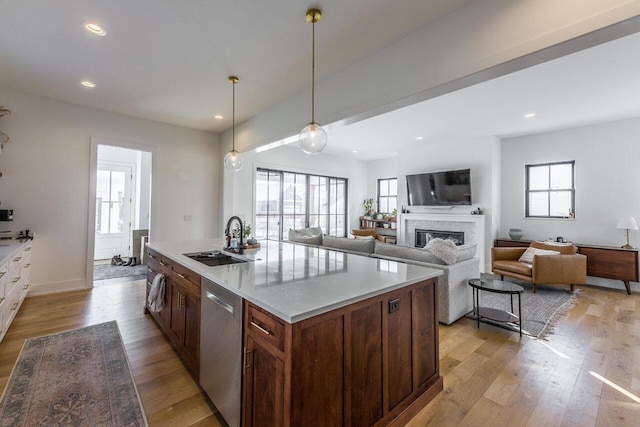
(472, 227)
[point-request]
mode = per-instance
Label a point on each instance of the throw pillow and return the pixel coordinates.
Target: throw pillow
(527, 256)
(443, 249)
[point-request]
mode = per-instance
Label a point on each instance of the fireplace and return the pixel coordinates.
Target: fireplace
(423, 236)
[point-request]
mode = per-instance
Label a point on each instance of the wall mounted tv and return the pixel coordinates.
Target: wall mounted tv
(440, 188)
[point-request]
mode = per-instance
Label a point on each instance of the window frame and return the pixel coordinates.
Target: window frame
(326, 214)
(389, 196)
(572, 190)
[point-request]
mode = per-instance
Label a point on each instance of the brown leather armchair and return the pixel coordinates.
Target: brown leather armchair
(567, 268)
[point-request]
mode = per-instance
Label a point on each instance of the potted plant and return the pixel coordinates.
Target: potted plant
(368, 208)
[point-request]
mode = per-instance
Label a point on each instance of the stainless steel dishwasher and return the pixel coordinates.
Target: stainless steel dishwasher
(221, 349)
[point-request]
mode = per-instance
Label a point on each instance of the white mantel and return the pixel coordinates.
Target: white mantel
(473, 227)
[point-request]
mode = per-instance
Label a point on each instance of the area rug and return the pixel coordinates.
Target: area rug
(108, 271)
(541, 311)
(74, 378)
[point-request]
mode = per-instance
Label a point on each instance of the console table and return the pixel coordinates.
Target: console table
(607, 262)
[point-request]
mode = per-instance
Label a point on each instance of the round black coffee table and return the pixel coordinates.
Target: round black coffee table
(497, 287)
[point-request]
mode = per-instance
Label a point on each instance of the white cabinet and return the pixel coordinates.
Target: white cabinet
(15, 267)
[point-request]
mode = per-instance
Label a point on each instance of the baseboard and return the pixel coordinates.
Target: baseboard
(57, 287)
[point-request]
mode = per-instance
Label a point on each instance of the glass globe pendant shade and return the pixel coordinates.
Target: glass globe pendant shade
(233, 161)
(313, 138)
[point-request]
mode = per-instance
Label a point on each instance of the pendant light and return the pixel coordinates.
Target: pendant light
(233, 160)
(313, 138)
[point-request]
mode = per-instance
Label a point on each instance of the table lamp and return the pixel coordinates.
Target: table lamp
(627, 223)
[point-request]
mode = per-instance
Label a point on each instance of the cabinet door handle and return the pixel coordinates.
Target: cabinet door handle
(14, 306)
(28, 249)
(3, 273)
(152, 257)
(25, 287)
(151, 270)
(248, 357)
(25, 266)
(16, 280)
(163, 264)
(260, 328)
(181, 275)
(18, 258)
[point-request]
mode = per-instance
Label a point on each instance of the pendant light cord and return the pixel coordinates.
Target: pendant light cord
(233, 116)
(313, 68)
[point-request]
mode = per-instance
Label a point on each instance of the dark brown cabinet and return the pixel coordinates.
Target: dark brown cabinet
(180, 318)
(370, 363)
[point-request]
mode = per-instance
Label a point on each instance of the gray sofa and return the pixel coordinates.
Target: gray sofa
(454, 293)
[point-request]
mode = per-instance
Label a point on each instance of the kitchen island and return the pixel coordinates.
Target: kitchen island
(328, 338)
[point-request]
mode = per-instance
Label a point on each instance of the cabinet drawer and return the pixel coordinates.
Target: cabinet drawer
(159, 261)
(4, 268)
(264, 327)
(15, 261)
(186, 287)
(185, 275)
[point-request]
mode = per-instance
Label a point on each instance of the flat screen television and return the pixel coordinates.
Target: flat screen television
(440, 188)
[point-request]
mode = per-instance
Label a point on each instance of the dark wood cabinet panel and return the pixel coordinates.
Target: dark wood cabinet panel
(263, 381)
(400, 381)
(602, 261)
(425, 337)
(363, 366)
(318, 372)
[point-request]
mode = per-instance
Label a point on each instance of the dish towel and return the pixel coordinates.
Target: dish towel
(155, 300)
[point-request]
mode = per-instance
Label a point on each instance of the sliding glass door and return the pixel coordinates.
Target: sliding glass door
(287, 200)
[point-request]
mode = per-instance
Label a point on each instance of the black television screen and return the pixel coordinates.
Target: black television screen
(440, 188)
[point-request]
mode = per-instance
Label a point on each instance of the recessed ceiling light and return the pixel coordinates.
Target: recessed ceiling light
(419, 138)
(87, 83)
(95, 28)
(354, 151)
(218, 116)
(529, 115)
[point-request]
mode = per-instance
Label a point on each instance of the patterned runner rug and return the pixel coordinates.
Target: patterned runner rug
(74, 378)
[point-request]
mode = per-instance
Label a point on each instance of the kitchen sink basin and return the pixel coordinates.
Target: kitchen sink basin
(214, 258)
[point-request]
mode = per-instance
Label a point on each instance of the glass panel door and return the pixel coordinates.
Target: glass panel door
(113, 211)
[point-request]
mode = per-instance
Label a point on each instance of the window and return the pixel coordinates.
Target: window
(287, 200)
(550, 191)
(387, 195)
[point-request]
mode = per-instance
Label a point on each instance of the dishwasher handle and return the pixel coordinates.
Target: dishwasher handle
(222, 303)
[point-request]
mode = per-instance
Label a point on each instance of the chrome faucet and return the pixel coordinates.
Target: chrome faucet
(227, 232)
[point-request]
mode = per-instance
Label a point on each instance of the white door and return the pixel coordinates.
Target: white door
(113, 210)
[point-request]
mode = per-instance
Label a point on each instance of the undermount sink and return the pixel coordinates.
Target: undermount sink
(214, 258)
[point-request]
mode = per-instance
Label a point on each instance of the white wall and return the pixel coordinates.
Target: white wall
(481, 155)
(45, 180)
(607, 182)
(239, 186)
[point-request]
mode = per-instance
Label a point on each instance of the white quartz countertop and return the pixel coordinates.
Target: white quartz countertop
(10, 248)
(296, 282)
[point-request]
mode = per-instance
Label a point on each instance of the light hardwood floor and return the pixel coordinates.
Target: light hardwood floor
(492, 377)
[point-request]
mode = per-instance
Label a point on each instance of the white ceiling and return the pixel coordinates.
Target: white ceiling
(168, 61)
(595, 85)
